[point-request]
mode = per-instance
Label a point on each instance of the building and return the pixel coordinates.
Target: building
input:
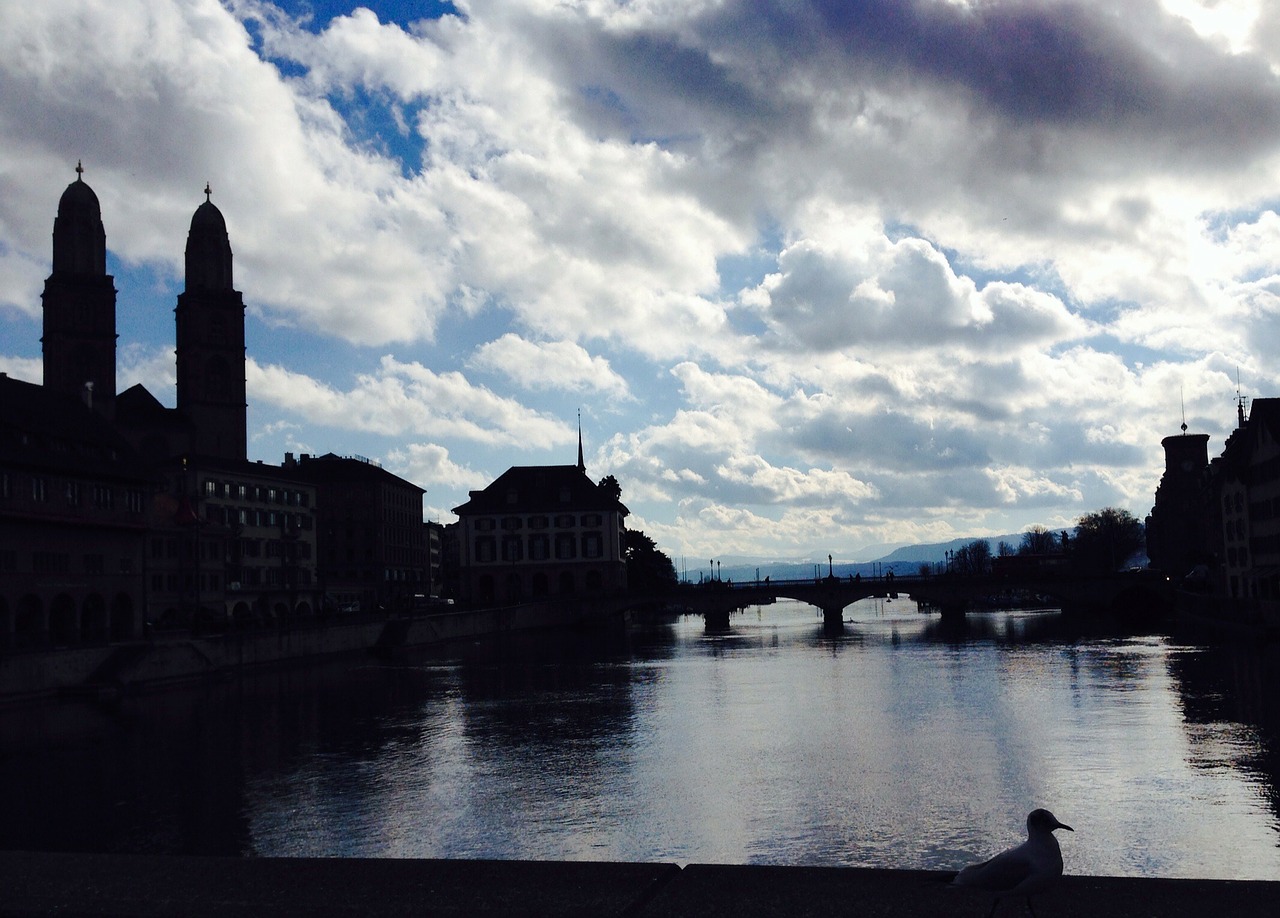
(73, 501)
(1221, 519)
(206, 537)
(538, 532)
(371, 541)
(1176, 526)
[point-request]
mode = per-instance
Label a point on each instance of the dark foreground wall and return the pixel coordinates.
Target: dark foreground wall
(129, 886)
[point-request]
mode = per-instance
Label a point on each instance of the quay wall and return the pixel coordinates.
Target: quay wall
(104, 672)
(36, 885)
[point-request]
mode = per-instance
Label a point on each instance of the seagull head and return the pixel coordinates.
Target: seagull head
(1044, 821)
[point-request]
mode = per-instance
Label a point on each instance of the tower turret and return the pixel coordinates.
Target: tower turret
(210, 339)
(79, 299)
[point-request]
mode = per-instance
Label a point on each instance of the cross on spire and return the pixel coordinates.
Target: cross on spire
(208, 193)
(79, 171)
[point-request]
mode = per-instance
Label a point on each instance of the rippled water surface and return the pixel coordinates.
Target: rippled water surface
(897, 742)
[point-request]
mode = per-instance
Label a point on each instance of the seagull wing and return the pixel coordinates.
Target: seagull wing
(1002, 873)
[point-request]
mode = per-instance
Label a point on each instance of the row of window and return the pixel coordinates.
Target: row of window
(213, 582)
(223, 515)
(516, 523)
(567, 547)
(263, 494)
(231, 550)
(60, 562)
(41, 489)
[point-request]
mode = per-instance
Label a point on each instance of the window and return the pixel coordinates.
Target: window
(512, 549)
(210, 488)
(103, 497)
(565, 547)
(592, 545)
(591, 519)
(486, 549)
(94, 564)
(537, 522)
(39, 489)
(133, 500)
(74, 496)
(539, 548)
(484, 525)
(564, 521)
(510, 523)
(50, 562)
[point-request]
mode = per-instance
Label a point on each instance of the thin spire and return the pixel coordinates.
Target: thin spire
(582, 465)
(1182, 396)
(208, 193)
(79, 170)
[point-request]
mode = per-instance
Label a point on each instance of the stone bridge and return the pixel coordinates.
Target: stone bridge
(1130, 594)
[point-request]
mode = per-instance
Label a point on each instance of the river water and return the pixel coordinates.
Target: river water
(900, 741)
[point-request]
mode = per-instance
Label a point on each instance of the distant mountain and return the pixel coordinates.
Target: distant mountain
(903, 559)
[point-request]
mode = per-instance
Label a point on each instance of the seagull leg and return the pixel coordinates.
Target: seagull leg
(994, 903)
(1029, 908)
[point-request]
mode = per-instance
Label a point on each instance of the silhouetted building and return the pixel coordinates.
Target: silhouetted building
(370, 537)
(540, 531)
(176, 527)
(1246, 494)
(231, 543)
(1177, 532)
(73, 501)
(79, 340)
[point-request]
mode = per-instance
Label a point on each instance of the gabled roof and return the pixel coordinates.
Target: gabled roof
(43, 428)
(541, 488)
(137, 407)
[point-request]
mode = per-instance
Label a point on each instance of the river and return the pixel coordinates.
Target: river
(900, 741)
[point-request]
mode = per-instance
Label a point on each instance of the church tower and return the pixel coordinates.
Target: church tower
(210, 340)
(79, 339)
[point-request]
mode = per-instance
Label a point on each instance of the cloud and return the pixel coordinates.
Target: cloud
(549, 365)
(407, 399)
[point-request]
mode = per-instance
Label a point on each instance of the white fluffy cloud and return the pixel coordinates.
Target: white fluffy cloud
(830, 275)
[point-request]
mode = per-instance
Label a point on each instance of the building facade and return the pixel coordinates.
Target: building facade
(539, 532)
(371, 541)
(73, 501)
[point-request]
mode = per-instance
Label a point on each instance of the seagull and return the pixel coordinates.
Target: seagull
(1025, 870)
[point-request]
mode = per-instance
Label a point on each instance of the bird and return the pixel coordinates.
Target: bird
(1025, 870)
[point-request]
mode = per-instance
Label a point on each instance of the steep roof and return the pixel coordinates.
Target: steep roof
(541, 488)
(44, 428)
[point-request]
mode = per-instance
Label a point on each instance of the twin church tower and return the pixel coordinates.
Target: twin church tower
(79, 339)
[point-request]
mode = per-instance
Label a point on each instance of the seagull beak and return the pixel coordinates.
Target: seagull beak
(1063, 825)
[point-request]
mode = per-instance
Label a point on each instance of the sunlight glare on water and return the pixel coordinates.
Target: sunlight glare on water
(899, 742)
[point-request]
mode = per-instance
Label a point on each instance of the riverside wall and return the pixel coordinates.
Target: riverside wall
(35, 885)
(107, 671)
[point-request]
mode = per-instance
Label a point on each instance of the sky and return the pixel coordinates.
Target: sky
(821, 276)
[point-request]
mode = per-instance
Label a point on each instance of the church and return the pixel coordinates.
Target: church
(117, 513)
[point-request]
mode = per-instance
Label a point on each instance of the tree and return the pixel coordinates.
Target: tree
(1106, 539)
(972, 559)
(609, 485)
(1005, 550)
(648, 568)
(1038, 541)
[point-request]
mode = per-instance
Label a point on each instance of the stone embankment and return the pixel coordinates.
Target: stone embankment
(131, 886)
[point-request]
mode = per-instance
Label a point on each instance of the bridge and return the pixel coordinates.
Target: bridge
(1129, 594)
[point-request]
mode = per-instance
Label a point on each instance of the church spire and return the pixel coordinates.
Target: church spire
(582, 466)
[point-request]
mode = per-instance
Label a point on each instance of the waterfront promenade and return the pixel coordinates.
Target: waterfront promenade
(134, 886)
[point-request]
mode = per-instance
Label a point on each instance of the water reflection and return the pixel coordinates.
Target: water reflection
(898, 739)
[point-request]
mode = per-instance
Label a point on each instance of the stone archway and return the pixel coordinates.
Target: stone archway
(64, 625)
(93, 619)
(123, 626)
(30, 628)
